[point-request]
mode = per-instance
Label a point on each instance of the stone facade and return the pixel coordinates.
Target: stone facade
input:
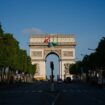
(39, 50)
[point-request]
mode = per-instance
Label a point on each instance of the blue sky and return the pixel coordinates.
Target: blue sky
(84, 18)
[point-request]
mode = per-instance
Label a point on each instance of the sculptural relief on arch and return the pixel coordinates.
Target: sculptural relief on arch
(43, 45)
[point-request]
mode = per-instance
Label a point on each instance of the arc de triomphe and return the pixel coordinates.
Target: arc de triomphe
(43, 45)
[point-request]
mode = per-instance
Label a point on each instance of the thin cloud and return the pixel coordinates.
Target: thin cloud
(32, 31)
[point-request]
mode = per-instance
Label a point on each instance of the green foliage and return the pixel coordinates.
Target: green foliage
(95, 60)
(72, 69)
(12, 56)
(100, 51)
(1, 30)
(76, 68)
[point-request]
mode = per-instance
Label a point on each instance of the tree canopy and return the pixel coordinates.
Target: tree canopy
(96, 60)
(12, 56)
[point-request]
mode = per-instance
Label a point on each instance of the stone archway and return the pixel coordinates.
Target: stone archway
(52, 56)
(39, 49)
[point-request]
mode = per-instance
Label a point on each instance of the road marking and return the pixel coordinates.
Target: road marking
(54, 101)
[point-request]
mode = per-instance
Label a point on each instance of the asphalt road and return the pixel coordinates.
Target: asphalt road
(81, 94)
(39, 93)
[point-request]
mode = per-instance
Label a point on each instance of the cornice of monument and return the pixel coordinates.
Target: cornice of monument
(53, 35)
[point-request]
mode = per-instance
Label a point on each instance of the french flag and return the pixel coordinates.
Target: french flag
(47, 39)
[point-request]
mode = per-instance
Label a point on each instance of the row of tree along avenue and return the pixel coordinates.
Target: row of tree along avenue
(15, 64)
(92, 65)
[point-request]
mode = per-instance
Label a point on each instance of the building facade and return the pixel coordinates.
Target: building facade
(43, 45)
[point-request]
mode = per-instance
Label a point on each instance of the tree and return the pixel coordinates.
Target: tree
(30, 68)
(12, 56)
(1, 31)
(75, 68)
(100, 50)
(72, 69)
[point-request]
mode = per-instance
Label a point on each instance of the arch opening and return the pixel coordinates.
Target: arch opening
(52, 56)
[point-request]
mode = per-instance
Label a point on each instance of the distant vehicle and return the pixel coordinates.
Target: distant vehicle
(67, 80)
(72, 77)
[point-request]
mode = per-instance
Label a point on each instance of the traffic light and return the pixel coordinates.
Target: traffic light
(52, 65)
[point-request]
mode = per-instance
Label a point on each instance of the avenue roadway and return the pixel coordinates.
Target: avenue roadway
(38, 93)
